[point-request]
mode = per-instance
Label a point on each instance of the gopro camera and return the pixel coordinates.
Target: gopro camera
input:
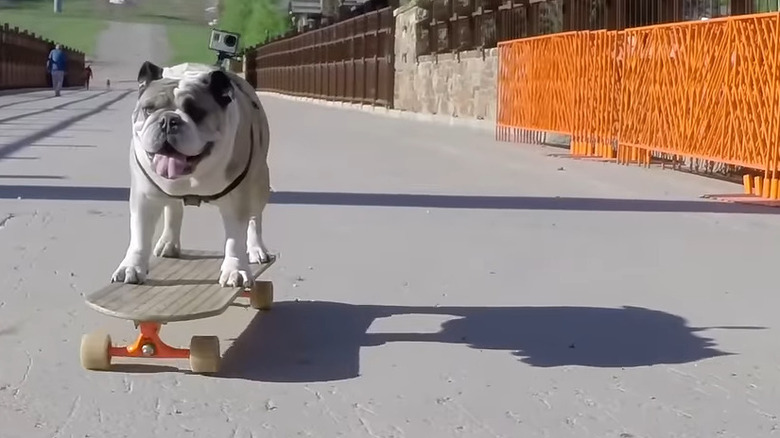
(224, 42)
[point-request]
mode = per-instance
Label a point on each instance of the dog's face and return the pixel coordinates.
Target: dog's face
(178, 122)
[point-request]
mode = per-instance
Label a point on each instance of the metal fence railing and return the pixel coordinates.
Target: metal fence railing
(447, 26)
(350, 61)
(23, 61)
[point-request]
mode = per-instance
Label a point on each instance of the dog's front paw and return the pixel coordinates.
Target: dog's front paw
(234, 273)
(167, 248)
(129, 274)
(258, 254)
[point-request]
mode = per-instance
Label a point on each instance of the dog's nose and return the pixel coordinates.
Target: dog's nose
(170, 122)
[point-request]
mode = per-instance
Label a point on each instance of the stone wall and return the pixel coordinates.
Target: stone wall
(459, 85)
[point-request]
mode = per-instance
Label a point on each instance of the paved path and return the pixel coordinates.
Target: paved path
(121, 50)
(433, 283)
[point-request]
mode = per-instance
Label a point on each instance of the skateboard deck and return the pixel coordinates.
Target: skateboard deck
(176, 289)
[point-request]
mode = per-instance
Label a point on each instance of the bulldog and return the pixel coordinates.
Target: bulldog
(200, 134)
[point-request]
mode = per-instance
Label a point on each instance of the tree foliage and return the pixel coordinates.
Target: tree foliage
(253, 19)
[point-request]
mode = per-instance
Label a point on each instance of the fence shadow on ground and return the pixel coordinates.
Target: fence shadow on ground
(489, 202)
(29, 176)
(25, 101)
(472, 202)
(17, 145)
(315, 341)
(34, 112)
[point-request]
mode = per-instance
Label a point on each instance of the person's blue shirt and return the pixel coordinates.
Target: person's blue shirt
(57, 60)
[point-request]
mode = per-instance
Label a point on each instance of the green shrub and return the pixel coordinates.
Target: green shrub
(253, 19)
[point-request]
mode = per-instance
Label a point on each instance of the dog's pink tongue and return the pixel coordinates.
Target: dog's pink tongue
(170, 166)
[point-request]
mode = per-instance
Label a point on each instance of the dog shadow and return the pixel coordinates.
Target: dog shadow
(315, 341)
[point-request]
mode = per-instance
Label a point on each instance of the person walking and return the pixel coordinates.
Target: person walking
(87, 76)
(57, 64)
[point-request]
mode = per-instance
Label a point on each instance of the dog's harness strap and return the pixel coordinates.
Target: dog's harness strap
(196, 200)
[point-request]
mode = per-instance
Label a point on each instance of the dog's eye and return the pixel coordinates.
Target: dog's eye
(147, 111)
(196, 113)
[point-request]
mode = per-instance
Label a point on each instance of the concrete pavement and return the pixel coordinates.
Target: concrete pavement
(432, 283)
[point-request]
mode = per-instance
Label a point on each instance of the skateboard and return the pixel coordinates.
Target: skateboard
(177, 289)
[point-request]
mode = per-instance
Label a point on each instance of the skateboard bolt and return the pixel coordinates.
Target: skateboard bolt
(147, 349)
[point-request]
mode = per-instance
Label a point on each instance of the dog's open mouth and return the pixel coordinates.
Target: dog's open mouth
(171, 164)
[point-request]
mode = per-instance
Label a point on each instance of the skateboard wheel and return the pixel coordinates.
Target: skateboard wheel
(261, 297)
(204, 354)
(95, 354)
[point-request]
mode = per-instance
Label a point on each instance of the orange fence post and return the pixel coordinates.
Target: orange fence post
(747, 183)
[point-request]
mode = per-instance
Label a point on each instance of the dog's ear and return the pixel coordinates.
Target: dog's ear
(221, 87)
(149, 72)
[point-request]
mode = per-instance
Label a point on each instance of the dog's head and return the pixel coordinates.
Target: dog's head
(178, 122)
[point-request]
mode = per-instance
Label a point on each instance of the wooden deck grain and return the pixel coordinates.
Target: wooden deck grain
(176, 290)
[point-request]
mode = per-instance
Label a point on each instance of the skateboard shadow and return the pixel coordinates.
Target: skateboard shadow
(144, 368)
(320, 341)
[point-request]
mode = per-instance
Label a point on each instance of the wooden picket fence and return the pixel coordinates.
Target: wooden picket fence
(23, 61)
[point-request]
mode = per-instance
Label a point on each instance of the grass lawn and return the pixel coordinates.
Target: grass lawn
(75, 27)
(78, 33)
(81, 22)
(189, 43)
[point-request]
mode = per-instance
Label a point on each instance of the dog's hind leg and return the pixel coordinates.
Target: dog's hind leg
(235, 270)
(169, 244)
(258, 252)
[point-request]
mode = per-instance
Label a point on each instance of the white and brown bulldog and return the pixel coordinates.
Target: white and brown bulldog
(200, 134)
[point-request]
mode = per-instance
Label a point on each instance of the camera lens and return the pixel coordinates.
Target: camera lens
(230, 40)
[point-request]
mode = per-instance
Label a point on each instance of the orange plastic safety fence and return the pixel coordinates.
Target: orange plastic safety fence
(702, 90)
(706, 90)
(537, 79)
(595, 128)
